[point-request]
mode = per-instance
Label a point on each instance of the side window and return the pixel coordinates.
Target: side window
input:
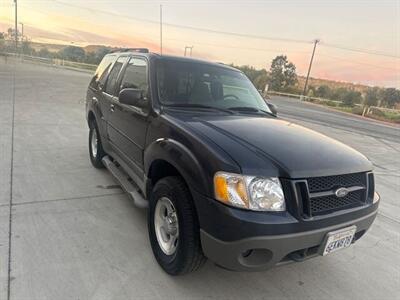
(113, 77)
(102, 70)
(135, 76)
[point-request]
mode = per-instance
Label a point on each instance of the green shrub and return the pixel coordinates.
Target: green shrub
(377, 112)
(331, 103)
(392, 116)
(314, 100)
(358, 110)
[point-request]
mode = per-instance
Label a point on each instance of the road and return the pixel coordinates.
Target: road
(379, 141)
(68, 232)
(317, 114)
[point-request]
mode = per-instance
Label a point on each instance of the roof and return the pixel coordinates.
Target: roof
(195, 60)
(141, 52)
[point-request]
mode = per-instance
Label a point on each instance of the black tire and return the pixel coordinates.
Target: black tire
(188, 255)
(95, 159)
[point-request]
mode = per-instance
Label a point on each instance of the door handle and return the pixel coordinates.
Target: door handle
(112, 107)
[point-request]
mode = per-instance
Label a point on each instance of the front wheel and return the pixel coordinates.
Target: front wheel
(173, 227)
(96, 151)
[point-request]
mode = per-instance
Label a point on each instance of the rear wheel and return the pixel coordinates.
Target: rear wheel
(96, 151)
(173, 227)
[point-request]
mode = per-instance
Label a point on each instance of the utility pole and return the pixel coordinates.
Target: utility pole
(16, 26)
(309, 67)
(191, 50)
(161, 29)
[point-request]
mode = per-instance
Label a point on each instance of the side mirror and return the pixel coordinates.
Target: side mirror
(132, 97)
(273, 108)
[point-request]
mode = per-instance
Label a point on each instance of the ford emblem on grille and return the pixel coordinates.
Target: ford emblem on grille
(341, 192)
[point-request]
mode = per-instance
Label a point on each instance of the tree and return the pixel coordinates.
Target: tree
(351, 97)
(282, 74)
(10, 33)
(258, 77)
(44, 52)
(73, 53)
(2, 41)
(371, 97)
(101, 52)
(323, 91)
(90, 58)
(261, 80)
(26, 48)
(390, 97)
(338, 94)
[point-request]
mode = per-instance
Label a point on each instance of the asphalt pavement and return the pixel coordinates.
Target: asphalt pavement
(67, 231)
(317, 114)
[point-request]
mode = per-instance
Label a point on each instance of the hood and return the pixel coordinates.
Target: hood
(275, 147)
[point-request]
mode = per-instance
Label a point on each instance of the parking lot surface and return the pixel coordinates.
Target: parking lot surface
(67, 231)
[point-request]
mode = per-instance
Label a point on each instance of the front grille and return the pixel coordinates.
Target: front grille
(327, 204)
(327, 183)
(316, 196)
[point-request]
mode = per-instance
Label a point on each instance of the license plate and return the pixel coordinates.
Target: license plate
(339, 239)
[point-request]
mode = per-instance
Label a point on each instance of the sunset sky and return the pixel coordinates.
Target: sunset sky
(288, 27)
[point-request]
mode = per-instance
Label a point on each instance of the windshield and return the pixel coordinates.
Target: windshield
(197, 84)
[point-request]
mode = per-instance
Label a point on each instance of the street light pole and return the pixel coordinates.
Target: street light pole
(16, 25)
(309, 67)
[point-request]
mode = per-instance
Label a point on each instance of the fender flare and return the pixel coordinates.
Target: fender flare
(181, 158)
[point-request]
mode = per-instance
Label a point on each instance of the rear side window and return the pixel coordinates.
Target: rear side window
(102, 70)
(113, 77)
(135, 76)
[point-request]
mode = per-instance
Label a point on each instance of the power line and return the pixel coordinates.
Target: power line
(238, 47)
(278, 51)
(360, 63)
(237, 34)
(366, 51)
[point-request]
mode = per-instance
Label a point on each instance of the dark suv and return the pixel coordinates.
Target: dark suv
(223, 177)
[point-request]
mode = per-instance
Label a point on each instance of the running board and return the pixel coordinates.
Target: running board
(127, 185)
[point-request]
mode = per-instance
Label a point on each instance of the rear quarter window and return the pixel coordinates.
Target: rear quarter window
(100, 76)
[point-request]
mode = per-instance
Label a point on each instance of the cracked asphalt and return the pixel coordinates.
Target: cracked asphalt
(67, 231)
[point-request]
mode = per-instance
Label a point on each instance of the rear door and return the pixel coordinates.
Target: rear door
(128, 124)
(95, 91)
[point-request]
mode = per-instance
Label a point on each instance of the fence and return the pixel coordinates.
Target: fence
(56, 62)
(311, 99)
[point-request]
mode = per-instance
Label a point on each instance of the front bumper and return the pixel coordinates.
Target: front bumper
(263, 252)
(251, 241)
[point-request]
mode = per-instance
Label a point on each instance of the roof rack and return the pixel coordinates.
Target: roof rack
(140, 50)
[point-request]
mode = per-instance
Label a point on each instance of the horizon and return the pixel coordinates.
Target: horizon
(361, 48)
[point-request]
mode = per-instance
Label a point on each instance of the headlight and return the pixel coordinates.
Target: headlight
(249, 192)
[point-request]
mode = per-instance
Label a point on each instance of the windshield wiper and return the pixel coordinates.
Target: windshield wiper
(249, 109)
(202, 106)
